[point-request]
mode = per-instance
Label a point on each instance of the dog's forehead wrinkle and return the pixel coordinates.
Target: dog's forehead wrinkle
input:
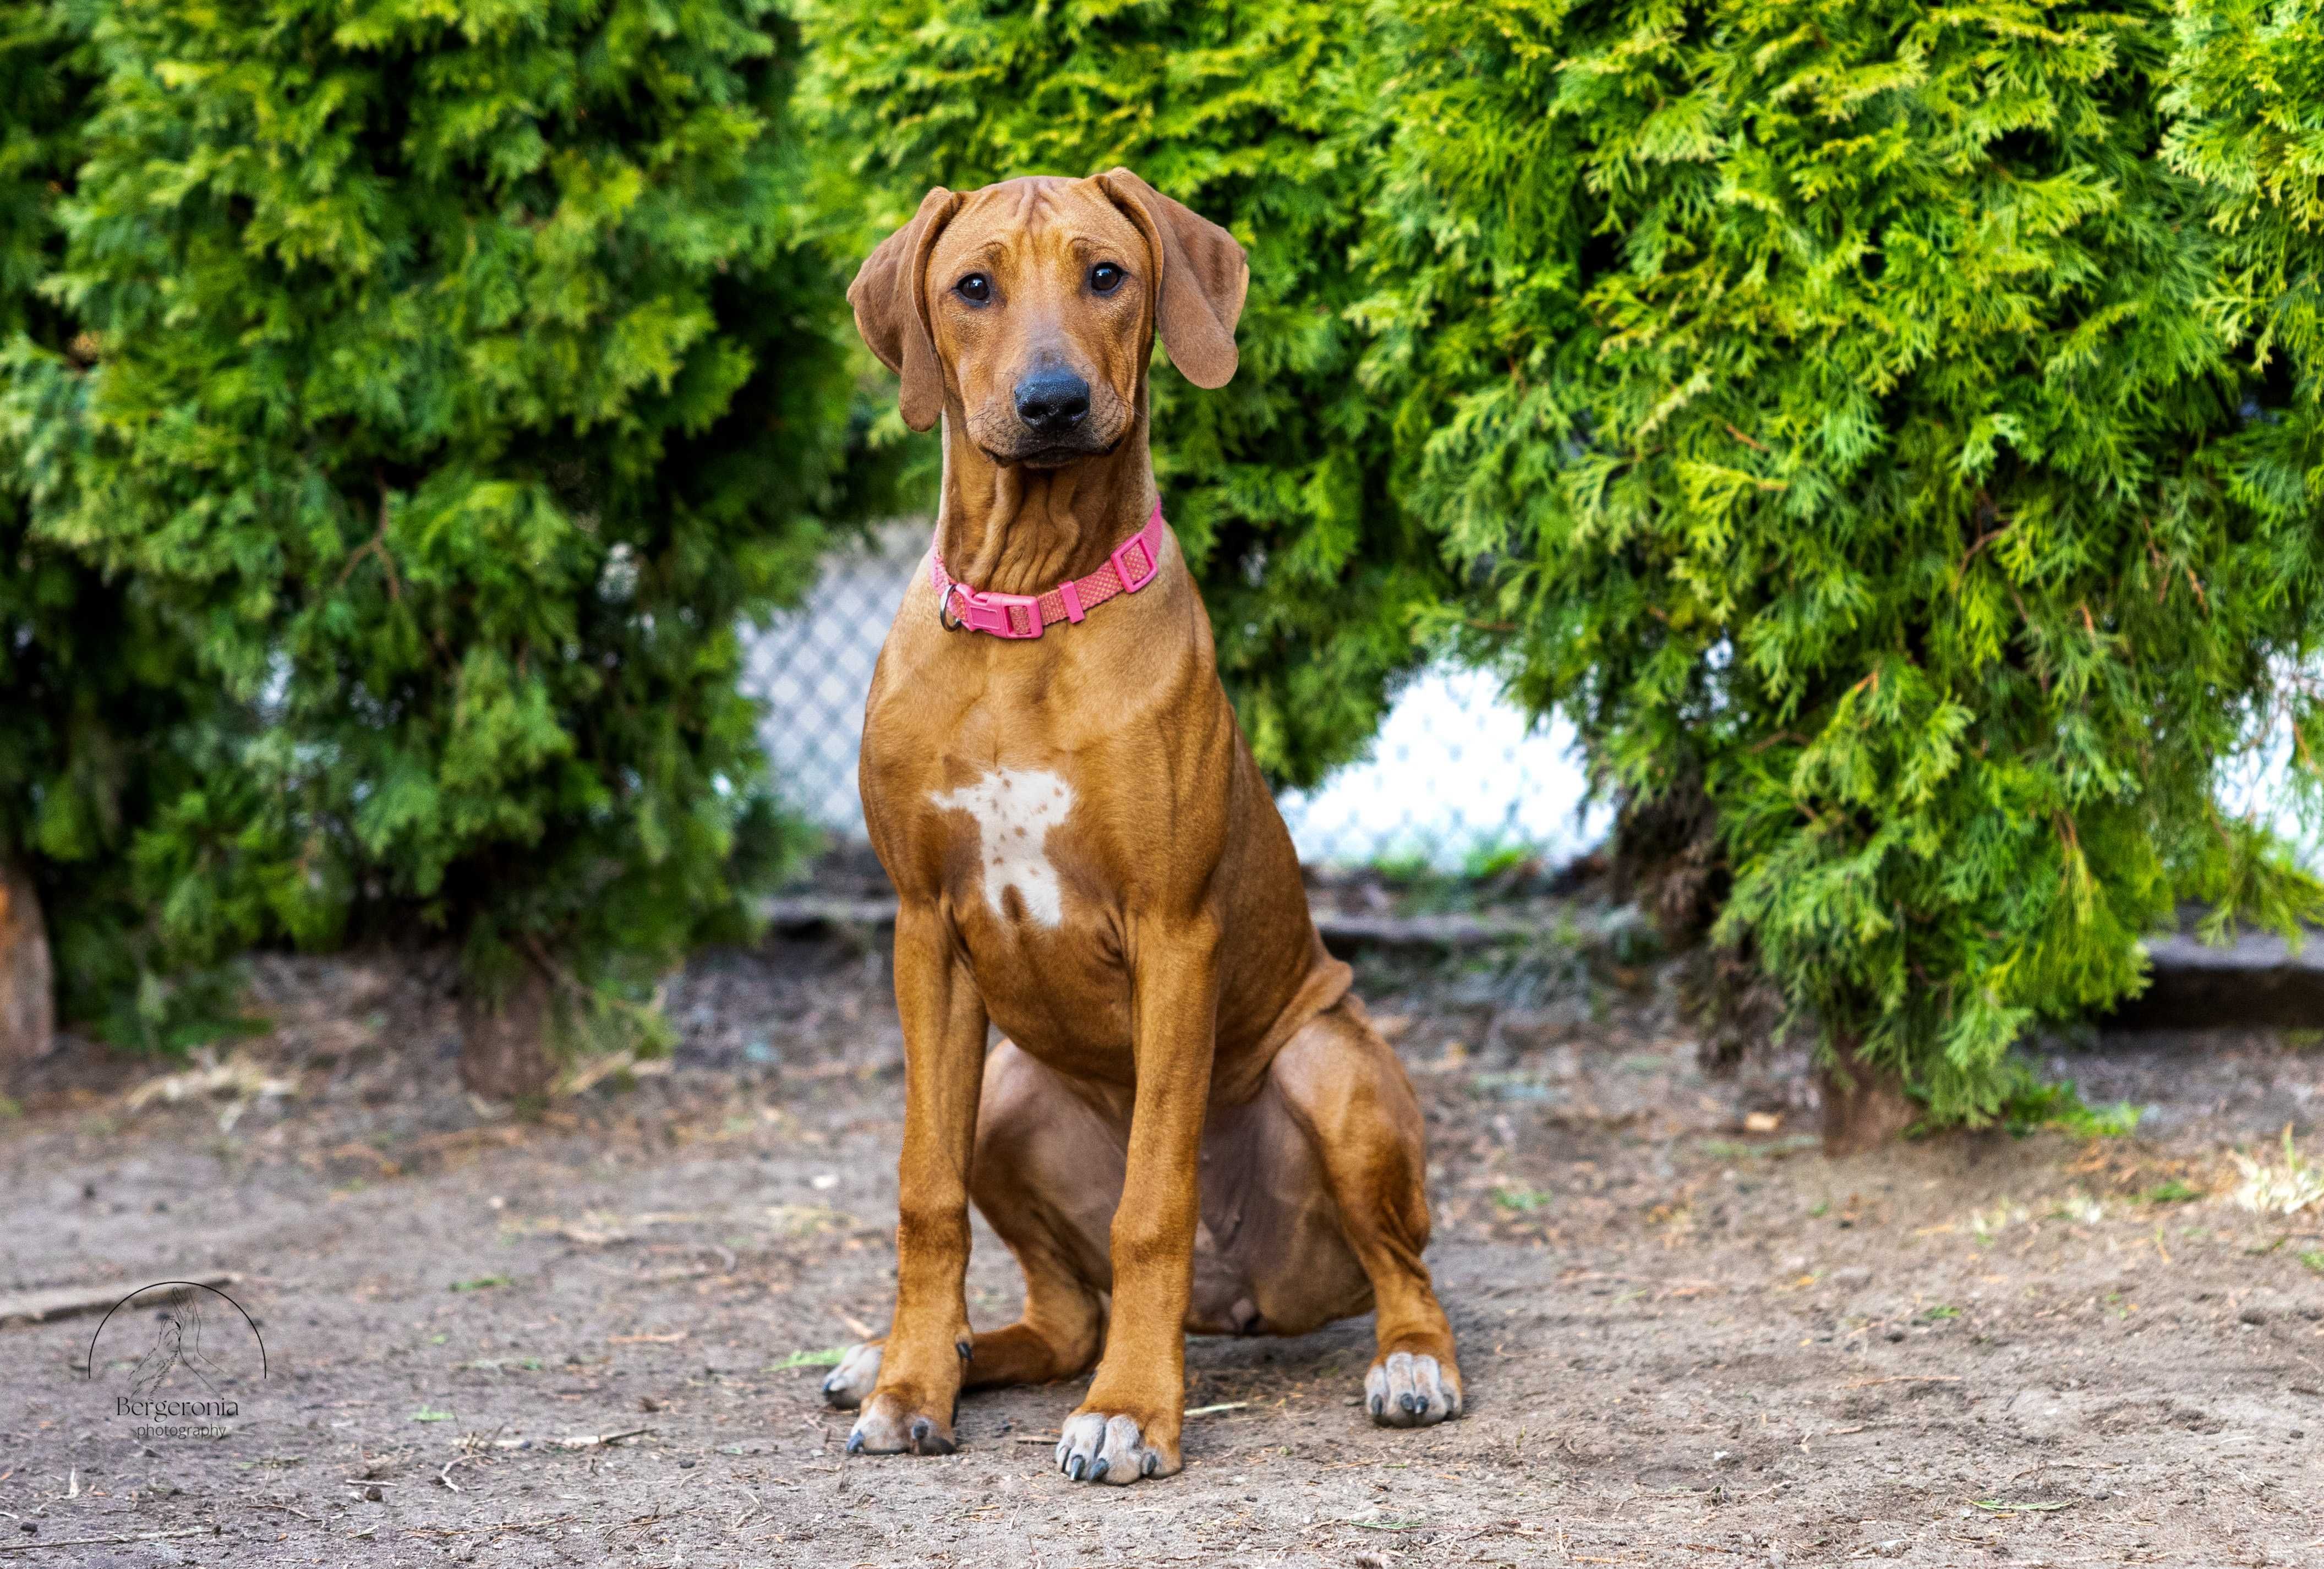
(1041, 206)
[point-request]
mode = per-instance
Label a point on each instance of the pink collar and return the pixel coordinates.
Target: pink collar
(1130, 568)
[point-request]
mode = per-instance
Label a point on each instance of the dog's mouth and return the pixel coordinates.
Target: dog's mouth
(1051, 454)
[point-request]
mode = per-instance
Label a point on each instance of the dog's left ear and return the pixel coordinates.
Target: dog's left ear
(893, 317)
(1203, 276)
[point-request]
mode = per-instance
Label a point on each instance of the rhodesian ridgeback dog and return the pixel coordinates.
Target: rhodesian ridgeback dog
(1190, 1124)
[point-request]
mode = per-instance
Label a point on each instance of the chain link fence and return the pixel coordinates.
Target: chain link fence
(1455, 783)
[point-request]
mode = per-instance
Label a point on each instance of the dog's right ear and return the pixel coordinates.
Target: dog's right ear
(891, 306)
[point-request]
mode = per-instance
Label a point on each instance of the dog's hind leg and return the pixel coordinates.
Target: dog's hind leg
(1345, 1088)
(1047, 1176)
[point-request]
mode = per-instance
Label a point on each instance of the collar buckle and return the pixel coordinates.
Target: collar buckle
(1016, 616)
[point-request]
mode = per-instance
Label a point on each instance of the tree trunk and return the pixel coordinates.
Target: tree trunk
(1865, 1106)
(27, 988)
(504, 1040)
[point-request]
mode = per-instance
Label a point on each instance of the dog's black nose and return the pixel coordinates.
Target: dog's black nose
(1052, 401)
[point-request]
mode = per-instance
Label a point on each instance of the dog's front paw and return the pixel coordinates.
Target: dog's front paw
(851, 1383)
(1111, 1449)
(892, 1424)
(1412, 1390)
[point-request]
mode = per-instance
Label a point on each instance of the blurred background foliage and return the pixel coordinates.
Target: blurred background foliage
(1890, 435)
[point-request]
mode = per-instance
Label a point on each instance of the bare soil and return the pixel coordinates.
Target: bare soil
(1688, 1338)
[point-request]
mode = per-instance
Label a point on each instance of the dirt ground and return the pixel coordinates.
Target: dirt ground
(1688, 1338)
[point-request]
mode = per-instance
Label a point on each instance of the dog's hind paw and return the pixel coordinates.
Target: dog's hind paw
(1408, 1389)
(851, 1382)
(1096, 1448)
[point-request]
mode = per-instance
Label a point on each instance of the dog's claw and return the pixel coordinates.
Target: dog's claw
(851, 1383)
(893, 1424)
(1111, 1450)
(1412, 1390)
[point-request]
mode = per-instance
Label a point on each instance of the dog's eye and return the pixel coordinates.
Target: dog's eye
(976, 288)
(1105, 277)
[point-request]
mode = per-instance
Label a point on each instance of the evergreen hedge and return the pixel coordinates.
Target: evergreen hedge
(1262, 115)
(452, 380)
(1860, 411)
(1899, 430)
(101, 715)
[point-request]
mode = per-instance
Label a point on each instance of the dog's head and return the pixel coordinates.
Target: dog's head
(1036, 302)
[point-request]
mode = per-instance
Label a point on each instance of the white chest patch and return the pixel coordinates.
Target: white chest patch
(1015, 808)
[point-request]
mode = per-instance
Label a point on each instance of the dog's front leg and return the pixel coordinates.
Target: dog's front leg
(1127, 1427)
(911, 1406)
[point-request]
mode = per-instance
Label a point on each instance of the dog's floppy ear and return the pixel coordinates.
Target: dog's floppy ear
(1198, 296)
(892, 310)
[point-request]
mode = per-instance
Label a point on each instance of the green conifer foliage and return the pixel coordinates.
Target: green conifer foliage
(1262, 115)
(456, 382)
(1839, 394)
(2246, 103)
(97, 708)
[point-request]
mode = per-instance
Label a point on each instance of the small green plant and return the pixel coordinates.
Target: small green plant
(2035, 1105)
(482, 1283)
(2172, 1191)
(1940, 1314)
(829, 1357)
(2313, 1258)
(1770, 1149)
(430, 1414)
(1521, 1200)
(1490, 860)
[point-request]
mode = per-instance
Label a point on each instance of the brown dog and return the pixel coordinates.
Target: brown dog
(1189, 1113)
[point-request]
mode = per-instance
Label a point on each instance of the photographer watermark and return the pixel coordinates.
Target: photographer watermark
(178, 1359)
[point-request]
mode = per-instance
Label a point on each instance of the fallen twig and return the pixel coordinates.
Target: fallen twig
(583, 1441)
(112, 1541)
(237, 1075)
(1366, 1525)
(1190, 1411)
(482, 1531)
(65, 1301)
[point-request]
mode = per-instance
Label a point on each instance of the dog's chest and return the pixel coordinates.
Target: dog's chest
(1010, 818)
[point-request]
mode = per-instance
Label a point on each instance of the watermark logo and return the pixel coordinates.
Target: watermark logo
(178, 1359)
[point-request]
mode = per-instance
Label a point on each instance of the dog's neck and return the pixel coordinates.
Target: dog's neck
(1013, 529)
